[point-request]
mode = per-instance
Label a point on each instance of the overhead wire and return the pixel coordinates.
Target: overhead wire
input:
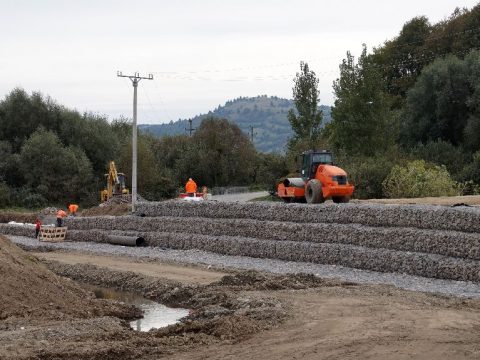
(186, 74)
(200, 75)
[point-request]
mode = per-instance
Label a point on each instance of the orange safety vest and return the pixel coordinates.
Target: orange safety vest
(73, 208)
(191, 186)
(61, 214)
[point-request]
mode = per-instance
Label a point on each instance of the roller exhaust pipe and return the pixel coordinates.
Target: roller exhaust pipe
(126, 240)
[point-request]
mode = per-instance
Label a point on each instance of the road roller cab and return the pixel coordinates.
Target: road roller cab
(320, 180)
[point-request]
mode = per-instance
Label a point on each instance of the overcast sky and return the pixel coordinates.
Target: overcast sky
(201, 53)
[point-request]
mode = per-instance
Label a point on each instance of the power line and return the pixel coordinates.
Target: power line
(187, 74)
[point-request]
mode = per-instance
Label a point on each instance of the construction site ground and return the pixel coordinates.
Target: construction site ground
(300, 318)
(246, 310)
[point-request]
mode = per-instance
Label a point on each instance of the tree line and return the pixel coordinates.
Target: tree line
(50, 154)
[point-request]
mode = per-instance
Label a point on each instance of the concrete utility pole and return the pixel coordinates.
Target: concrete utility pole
(135, 78)
(190, 129)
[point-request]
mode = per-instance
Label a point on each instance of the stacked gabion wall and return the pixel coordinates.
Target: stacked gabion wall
(431, 241)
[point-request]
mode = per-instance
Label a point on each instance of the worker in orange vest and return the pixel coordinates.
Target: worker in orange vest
(72, 208)
(60, 215)
(191, 187)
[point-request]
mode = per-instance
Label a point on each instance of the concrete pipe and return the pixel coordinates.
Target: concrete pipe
(126, 240)
(296, 182)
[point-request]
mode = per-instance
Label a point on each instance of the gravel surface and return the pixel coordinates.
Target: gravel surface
(243, 197)
(447, 287)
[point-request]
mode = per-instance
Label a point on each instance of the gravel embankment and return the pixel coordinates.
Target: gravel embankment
(441, 242)
(428, 241)
(466, 219)
(446, 287)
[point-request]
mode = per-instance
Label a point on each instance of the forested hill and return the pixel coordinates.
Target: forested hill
(267, 115)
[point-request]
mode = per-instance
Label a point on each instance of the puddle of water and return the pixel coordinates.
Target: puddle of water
(155, 315)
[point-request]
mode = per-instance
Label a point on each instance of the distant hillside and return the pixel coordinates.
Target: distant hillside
(267, 115)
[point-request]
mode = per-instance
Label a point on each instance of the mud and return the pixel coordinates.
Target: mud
(243, 315)
(44, 315)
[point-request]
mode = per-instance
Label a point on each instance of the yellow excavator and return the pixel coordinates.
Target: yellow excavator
(115, 184)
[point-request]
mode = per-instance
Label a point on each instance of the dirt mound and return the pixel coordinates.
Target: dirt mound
(108, 209)
(6, 217)
(253, 280)
(30, 290)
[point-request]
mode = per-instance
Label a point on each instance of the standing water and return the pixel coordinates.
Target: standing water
(155, 315)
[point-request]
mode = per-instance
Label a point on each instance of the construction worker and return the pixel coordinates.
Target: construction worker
(72, 208)
(191, 187)
(38, 224)
(60, 215)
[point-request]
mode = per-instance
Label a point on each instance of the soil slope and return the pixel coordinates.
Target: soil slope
(29, 289)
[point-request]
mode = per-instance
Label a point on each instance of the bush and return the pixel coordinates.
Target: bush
(367, 174)
(34, 201)
(5, 195)
(419, 179)
(25, 198)
(441, 153)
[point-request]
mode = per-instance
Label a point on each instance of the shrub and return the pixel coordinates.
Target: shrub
(5, 195)
(34, 201)
(419, 179)
(367, 174)
(441, 153)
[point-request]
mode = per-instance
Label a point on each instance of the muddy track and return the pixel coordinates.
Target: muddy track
(227, 311)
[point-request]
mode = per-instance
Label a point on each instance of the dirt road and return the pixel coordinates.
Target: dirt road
(472, 200)
(361, 323)
(181, 273)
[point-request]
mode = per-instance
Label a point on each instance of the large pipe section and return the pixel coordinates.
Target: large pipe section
(126, 240)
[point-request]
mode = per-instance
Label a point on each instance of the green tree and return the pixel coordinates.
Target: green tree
(21, 114)
(58, 173)
(220, 155)
(401, 60)
(307, 120)
(362, 122)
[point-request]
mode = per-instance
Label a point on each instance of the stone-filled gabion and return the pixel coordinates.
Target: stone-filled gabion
(413, 263)
(7, 229)
(449, 243)
(466, 219)
(430, 241)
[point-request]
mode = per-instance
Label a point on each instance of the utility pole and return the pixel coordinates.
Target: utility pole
(252, 134)
(190, 129)
(135, 78)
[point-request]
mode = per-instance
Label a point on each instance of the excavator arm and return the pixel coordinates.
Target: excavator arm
(114, 184)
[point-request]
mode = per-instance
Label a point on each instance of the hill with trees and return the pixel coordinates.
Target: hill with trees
(267, 115)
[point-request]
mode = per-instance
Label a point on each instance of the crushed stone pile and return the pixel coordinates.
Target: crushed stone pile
(429, 241)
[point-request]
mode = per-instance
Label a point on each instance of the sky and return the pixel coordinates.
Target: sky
(200, 53)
